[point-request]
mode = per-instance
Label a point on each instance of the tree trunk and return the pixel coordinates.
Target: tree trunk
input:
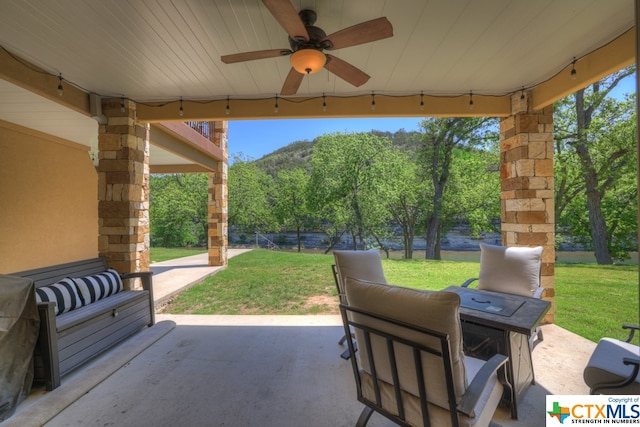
(359, 223)
(406, 218)
(431, 236)
(408, 245)
(599, 235)
(333, 240)
(382, 246)
(434, 222)
(437, 255)
(299, 239)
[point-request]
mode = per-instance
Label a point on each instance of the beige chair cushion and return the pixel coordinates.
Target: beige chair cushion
(437, 311)
(512, 270)
(437, 415)
(605, 366)
(365, 265)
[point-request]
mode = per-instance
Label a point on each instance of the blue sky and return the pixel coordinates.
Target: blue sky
(255, 138)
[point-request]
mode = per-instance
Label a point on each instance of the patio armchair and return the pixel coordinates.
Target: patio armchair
(411, 367)
(511, 270)
(365, 265)
(614, 365)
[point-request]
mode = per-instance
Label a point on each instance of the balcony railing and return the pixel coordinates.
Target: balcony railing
(205, 129)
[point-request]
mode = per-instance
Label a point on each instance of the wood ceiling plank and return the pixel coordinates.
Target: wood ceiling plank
(154, 50)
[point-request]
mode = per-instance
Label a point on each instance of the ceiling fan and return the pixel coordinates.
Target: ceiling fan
(308, 43)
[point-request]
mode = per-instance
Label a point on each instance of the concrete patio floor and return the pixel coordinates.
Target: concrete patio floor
(252, 371)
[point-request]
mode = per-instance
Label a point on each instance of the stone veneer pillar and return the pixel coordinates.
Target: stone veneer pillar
(218, 207)
(123, 188)
(527, 194)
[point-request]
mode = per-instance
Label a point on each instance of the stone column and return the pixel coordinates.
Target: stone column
(526, 175)
(123, 188)
(218, 208)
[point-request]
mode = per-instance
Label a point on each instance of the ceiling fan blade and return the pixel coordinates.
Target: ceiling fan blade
(370, 31)
(346, 71)
(250, 56)
(288, 18)
(292, 83)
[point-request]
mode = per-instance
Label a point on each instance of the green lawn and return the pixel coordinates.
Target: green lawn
(592, 301)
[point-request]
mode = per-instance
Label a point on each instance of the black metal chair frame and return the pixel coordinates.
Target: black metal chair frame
(497, 363)
(343, 300)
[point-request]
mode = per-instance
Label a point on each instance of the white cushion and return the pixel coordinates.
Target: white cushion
(365, 265)
(64, 293)
(98, 286)
(438, 416)
(513, 270)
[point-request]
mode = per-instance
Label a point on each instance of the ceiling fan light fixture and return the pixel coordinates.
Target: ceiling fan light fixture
(308, 61)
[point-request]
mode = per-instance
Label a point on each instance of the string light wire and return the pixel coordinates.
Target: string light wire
(31, 67)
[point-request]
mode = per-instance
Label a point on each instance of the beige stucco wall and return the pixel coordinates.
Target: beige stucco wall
(48, 200)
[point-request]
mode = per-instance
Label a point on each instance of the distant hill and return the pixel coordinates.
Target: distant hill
(298, 154)
(295, 155)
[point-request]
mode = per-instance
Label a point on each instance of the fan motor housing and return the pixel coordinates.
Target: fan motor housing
(316, 35)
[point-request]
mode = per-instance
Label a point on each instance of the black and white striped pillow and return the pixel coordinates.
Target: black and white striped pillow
(98, 286)
(64, 293)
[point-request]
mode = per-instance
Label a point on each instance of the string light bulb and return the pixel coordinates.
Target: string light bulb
(470, 100)
(60, 88)
(227, 110)
(573, 69)
(324, 103)
(522, 94)
(275, 107)
(181, 110)
(373, 101)
(421, 100)
(122, 106)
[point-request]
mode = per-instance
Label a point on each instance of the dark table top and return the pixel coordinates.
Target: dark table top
(499, 310)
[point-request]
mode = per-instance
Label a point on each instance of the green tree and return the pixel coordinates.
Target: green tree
(475, 184)
(290, 201)
(595, 154)
(178, 209)
(248, 193)
(441, 136)
(349, 178)
(406, 204)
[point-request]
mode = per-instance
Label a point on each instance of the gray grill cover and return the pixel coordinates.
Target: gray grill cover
(19, 323)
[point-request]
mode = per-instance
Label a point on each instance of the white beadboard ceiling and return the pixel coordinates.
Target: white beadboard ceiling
(157, 50)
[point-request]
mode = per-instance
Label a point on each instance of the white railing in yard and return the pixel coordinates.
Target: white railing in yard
(270, 244)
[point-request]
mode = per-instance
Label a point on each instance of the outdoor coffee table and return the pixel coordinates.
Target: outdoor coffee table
(499, 323)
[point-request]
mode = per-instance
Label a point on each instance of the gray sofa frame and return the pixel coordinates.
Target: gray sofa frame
(71, 339)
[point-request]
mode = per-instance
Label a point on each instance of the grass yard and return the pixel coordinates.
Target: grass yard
(595, 300)
(592, 301)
